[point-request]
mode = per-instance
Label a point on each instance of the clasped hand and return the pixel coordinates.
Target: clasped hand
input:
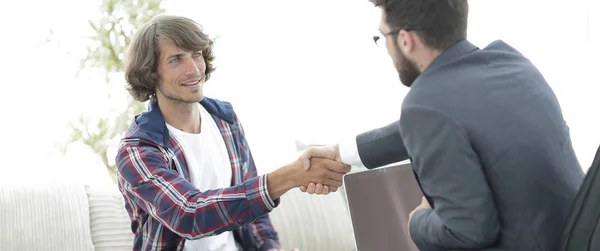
(319, 157)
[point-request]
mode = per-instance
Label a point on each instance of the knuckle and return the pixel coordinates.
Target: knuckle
(344, 168)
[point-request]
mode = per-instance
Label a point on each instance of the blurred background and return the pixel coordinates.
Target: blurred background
(295, 71)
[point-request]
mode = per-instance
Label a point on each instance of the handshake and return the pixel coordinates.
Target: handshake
(327, 158)
(317, 171)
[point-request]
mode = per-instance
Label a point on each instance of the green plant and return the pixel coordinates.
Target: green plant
(112, 34)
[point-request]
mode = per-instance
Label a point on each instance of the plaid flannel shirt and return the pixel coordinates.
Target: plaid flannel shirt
(166, 209)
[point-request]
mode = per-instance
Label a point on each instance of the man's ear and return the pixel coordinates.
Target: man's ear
(406, 41)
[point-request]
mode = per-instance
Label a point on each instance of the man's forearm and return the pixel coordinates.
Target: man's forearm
(279, 181)
(381, 146)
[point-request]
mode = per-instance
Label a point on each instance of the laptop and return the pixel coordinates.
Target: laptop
(379, 201)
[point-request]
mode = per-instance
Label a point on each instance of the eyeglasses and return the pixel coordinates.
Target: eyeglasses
(395, 32)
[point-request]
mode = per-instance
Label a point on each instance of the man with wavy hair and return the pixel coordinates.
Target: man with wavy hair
(184, 166)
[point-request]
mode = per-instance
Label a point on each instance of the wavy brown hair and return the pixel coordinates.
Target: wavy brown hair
(143, 53)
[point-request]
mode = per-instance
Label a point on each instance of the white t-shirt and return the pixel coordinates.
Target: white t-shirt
(209, 167)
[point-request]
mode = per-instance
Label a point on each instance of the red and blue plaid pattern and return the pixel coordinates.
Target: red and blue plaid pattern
(165, 208)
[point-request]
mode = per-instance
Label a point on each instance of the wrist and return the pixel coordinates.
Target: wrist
(282, 180)
(347, 151)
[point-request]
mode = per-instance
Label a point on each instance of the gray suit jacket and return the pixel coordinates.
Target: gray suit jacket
(490, 148)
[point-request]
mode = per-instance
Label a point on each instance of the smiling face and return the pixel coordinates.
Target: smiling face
(181, 74)
(165, 59)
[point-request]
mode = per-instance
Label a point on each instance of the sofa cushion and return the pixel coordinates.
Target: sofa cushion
(110, 224)
(44, 217)
(313, 222)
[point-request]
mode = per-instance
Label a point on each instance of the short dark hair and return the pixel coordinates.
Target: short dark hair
(439, 23)
(143, 55)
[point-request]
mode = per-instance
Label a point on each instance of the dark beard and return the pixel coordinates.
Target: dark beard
(407, 69)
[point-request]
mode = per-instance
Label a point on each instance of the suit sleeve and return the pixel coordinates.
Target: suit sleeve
(381, 146)
(465, 215)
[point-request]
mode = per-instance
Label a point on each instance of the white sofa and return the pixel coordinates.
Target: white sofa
(74, 217)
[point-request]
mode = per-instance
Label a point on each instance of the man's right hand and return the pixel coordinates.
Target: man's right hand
(322, 171)
(327, 151)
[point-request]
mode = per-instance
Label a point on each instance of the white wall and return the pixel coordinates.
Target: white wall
(303, 70)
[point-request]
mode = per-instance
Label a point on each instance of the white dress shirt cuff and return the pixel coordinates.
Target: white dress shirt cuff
(349, 152)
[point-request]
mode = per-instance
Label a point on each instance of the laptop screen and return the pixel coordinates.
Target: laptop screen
(379, 202)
